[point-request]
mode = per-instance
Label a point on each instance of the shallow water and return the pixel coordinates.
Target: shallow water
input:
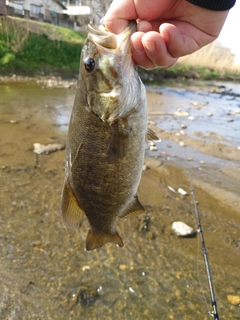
(46, 272)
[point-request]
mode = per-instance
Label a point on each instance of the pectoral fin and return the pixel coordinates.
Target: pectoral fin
(96, 240)
(151, 135)
(135, 208)
(71, 212)
(119, 140)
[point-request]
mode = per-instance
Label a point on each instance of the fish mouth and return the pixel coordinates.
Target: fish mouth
(101, 36)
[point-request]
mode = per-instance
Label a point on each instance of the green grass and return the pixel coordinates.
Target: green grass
(31, 48)
(25, 52)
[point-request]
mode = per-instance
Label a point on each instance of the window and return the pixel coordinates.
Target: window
(35, 9)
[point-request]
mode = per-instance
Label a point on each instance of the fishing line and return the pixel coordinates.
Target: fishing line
(214, 312)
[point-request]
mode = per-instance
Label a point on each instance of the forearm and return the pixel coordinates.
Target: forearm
(216, 5)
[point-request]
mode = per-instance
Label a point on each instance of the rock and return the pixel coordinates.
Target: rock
(191, 118)
(180, 113)
(182, 192)
(145, 167)
(182, 144)
(183, 126)
(39, 148)
(181, 229)
(122, 266)
(151, 122)
(153, 148)
(235, 300)
(172, 189)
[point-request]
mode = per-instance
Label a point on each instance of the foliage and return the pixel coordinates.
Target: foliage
(24, 52)
(30, 47)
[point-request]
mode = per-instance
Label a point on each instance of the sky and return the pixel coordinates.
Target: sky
(230, 34)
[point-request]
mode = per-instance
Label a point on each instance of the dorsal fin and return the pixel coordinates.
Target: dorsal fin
(151, 135)
(135, 208)
(72, 213)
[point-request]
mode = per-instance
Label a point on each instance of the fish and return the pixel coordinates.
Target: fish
(106, 138)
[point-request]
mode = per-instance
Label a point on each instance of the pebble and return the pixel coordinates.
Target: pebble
(131, 290)
(182, 192)
(183, 126)
(230, 120)
(171, 189)
(84, 268)
(199, 104)
(191, 118)
(151, 122)
(238, 148)
(39, 148)
(153, 148)
(181, 229)
(237, 111)
(210, 114)
(122, 266)
(145, 167)
(235, 300)
(182, 144)
(180, 113)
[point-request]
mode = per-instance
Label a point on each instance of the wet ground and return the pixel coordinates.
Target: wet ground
(45, 271)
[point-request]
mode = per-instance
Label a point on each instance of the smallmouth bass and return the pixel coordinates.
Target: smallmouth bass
(106, 138)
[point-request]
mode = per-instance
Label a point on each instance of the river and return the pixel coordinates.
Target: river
(46, 272)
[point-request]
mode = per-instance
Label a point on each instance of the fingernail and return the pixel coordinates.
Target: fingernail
(150, 46)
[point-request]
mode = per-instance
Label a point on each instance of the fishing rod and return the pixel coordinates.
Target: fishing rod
(214, 312)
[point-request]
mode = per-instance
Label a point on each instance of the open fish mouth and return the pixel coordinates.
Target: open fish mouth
(101, 36)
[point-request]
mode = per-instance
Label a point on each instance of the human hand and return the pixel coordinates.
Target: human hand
(167, 29)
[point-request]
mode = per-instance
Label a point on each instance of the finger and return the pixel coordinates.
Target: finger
(138, 52)
(182, 38)
(156, 50)
(118, 16)
(144, 26)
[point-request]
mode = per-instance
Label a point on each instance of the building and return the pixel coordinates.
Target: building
(3, 8)
(41, 10)
(74, 14)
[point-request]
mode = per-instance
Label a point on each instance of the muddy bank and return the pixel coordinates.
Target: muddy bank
(46, 272)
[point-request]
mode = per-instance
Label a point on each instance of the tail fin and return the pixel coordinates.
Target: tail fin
(97, 240)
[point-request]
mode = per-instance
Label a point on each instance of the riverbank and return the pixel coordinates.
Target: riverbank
(34, 49)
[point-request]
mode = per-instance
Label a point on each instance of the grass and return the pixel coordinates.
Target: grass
(32, 48)
(28, 47)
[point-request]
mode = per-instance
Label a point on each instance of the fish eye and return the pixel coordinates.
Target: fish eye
(89, 64)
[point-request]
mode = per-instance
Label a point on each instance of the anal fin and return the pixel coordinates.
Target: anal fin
(71, 211)
(97, 240)
(135, 208)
